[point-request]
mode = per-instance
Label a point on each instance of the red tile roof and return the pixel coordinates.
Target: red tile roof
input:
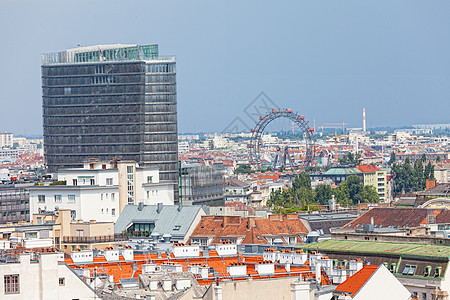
(251, 229)
(368, 168)
(356, 282)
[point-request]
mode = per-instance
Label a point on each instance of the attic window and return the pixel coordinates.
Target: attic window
(177, 227)
(258, 237)
(405, 270)
(213, 229)
(409, 270)
(279, 227)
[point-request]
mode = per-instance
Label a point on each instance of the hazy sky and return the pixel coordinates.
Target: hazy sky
(324, 59)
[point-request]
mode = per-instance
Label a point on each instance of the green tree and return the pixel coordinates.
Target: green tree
(370, 194)
(303, 196)
(301, 180)
(342, 194)
(429, 171)
(424, 158)
(355, 187)
(323, 193)
(418, 176)
(392, 159)
(243, 169)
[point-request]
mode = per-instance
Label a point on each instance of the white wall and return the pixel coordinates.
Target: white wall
(382, 285)
(226, 249)
(186, 251)
(88, 203)
(152, 194)
(41, 281)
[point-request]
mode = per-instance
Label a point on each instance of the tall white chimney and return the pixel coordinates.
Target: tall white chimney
(364, 119)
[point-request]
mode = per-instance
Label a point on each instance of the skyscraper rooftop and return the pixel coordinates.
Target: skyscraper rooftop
(104, 53)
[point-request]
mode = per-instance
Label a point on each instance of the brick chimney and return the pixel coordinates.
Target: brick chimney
(430, 183)
(277, 217)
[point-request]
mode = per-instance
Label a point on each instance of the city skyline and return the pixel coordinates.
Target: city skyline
(326, 61)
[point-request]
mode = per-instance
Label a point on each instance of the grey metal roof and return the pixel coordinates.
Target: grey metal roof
(165, 220)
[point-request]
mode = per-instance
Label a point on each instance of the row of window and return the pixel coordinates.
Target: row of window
(57, 198)
(115, 109)
(161, 68)
(12, 283)
(94, 100)
(134, 67)
(411, 269)
(128, 119)
(113, 211)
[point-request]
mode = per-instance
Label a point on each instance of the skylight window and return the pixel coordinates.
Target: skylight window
(405, 270)
(177, 227)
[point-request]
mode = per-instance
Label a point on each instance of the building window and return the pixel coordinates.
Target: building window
(92, 181)
(58, 198)
(70, 198)
(109, 181)
(74, 181)
(31, 235)
(41, 198)
(62, 281)
(113, 211)
(73, 214)
(130, 184)
(112, 197)
(149, 179)
(11, 284)
(101, 196)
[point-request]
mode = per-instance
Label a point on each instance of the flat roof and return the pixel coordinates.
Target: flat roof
(381, 248)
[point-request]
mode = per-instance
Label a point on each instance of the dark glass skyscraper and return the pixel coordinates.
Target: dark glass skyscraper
(110, 101)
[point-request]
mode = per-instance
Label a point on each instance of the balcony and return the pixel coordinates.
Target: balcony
(94, 239)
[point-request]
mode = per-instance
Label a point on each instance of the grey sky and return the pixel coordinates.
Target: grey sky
(324, 59)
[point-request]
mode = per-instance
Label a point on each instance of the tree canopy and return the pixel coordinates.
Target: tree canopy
(409, 178)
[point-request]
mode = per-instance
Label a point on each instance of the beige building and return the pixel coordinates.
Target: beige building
(46, 280)
(375, 177)
(69, 235)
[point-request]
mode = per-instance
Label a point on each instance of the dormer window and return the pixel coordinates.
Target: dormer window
(437, 272)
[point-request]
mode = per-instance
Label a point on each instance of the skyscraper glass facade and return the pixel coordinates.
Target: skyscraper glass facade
(112, 101)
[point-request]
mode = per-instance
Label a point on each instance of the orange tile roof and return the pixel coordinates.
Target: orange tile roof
(355, 283)
(124, 269)
(251, 229)
(368, 168)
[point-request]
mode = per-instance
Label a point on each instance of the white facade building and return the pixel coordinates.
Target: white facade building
(44, 280)
(6, 139)
(99, 191)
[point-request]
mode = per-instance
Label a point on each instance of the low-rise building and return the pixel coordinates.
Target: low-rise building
(375, 177)
(276, 229)
(175, 220)
(372, 282)
(43, 279)
(100, 191)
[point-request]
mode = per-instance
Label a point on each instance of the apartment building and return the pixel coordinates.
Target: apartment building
(45, 278)
(100, 190)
